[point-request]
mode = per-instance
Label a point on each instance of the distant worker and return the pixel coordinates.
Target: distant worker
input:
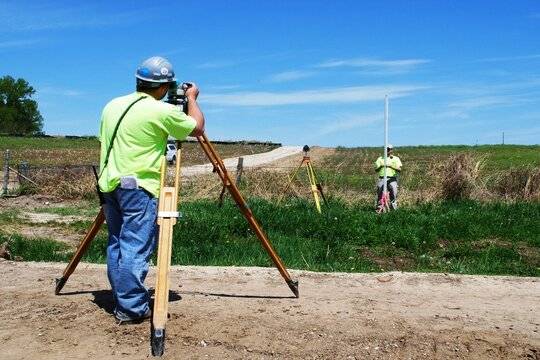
(393, 168)
(133, 134)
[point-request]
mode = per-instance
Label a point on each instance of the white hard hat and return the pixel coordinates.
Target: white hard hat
(390, 146)
(156, 70)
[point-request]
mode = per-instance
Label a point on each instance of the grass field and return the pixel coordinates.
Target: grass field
(483, 173)
(497, 170)
(458, 237)
(58, 151)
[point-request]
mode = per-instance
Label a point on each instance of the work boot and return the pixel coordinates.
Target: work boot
(123, 319)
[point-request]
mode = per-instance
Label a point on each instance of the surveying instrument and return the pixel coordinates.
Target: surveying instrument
(315, 186)
(166, 218)
(384, 202)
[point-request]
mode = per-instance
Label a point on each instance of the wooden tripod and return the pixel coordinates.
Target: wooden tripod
(316, 187)
(167, 208)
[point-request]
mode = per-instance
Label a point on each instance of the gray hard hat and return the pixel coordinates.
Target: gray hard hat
(155, 70)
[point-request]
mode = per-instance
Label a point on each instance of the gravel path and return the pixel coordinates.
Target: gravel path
(250, 161)
(248, 313)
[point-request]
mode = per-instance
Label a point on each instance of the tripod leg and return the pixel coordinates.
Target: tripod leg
(314, 189)
(319, 186)
(167, 216)
(289, 183)
(81, 249)
(246, 211)
(167, 206)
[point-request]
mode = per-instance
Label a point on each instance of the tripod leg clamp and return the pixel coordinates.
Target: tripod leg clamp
(168, 214)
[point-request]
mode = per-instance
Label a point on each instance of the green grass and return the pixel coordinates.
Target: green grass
(82, 209)
(498, 157)
(36, 249)
(352, 168)
(9, 216)
(461, 237)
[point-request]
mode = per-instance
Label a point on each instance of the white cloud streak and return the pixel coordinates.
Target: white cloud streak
(348, 122)
(17, 43)
(17, 18)
(52, 90)
(376, 65)
(216, 64)
(487, 101)
(510, 58)
(352, 94)
(223, 87)
(290, 76)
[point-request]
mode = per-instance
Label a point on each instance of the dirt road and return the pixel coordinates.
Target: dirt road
(250, 161)
(247, 313)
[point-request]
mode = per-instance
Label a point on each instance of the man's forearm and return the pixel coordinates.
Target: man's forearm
(195, 112)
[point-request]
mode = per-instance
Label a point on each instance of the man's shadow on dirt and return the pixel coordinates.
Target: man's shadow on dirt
(105, 300)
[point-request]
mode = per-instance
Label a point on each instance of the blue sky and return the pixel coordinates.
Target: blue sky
(315, 72)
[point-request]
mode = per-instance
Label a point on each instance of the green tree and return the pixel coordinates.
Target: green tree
(19, 114)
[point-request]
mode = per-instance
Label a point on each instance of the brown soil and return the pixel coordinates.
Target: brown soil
(247, 313)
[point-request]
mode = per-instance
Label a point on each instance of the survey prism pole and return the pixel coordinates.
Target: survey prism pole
(385, 185)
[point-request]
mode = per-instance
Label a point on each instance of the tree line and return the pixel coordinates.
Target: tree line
(19, 114)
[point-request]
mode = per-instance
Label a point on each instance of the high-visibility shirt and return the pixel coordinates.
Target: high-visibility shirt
(392, 161)
(141, 139)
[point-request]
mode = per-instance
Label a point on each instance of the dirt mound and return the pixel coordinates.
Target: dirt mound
(247, 313)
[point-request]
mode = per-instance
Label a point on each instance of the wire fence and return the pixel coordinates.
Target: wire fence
(421, 181)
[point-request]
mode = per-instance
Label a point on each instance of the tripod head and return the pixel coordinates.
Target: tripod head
(305, 149)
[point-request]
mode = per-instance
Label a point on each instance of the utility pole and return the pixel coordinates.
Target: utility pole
(503, 138)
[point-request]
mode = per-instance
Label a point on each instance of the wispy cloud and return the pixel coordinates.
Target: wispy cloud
(349, 122)
(222, 87)
(241, 58)
(291, 76)
(376, 65)
(53, 90)
(352, 94)
(510, 58)
(17, 43)
(216, 64)
(15, 17)
(489, 102)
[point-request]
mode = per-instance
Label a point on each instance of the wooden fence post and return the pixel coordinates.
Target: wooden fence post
(6, 173)
(239, 170)
(23, 172)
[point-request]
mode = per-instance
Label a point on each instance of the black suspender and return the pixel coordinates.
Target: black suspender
(114, 136)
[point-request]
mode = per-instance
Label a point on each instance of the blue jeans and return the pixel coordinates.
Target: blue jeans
(131, 219)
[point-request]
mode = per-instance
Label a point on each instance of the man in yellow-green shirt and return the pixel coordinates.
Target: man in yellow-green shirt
(133, 133)
(393, 168)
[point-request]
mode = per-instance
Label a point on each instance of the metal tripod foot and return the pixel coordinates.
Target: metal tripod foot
(293, 285)
(158, 342)
(60, 282)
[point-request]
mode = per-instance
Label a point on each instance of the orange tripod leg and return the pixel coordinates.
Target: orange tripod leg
(246, 211)
(81, 249)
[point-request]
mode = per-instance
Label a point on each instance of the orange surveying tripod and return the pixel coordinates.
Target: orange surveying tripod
(167, 214)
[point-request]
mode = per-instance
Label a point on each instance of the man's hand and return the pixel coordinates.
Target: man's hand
(192, 92)
(193, 109)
